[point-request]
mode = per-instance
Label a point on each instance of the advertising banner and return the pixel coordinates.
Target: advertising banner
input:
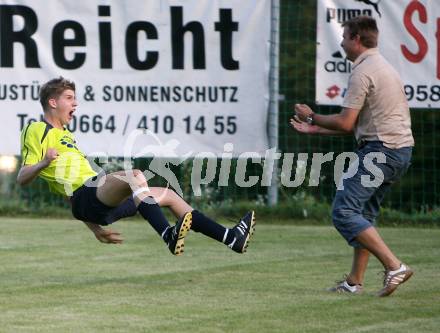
(164, 78)
(409, 38)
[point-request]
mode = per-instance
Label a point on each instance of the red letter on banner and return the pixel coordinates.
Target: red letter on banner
(421, 41)
(438, 48)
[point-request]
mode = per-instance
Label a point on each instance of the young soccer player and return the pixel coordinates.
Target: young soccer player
(49, 151)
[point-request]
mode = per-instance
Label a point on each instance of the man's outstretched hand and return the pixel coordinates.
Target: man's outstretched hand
(106, 236)
(302, 127)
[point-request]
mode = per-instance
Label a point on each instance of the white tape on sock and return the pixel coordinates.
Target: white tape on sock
(140, 190)
(225, 236)
(164, 232)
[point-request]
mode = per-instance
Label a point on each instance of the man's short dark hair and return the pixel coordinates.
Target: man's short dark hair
(53, 89)
(365, 27)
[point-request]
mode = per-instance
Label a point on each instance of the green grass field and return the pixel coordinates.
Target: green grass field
(55, 277)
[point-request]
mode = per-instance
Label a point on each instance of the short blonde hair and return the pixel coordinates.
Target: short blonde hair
(53, 89)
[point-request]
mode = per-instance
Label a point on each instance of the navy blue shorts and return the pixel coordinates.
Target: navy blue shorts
(86, 207)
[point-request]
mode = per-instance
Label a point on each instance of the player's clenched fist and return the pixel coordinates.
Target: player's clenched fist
(51, 154)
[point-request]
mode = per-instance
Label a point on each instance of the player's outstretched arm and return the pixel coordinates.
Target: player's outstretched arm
(107, 236)
(28, 173)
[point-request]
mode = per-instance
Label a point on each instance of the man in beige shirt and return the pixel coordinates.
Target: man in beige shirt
(376, 111)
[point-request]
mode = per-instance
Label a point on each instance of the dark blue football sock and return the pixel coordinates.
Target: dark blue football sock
(153, 214)
(208, 227)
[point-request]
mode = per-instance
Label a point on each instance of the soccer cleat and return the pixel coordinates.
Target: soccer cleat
(242, 233)
(175, 237)
(343, 287)
(392, 280)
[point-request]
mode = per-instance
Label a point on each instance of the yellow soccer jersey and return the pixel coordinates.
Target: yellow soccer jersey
(69, 170)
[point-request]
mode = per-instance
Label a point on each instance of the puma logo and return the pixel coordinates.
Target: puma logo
(372, 3)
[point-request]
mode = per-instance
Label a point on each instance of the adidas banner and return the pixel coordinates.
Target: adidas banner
(168, 78)
(409, 38)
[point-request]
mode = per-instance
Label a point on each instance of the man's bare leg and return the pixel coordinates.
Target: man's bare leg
(372, 241)
(359, 266)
